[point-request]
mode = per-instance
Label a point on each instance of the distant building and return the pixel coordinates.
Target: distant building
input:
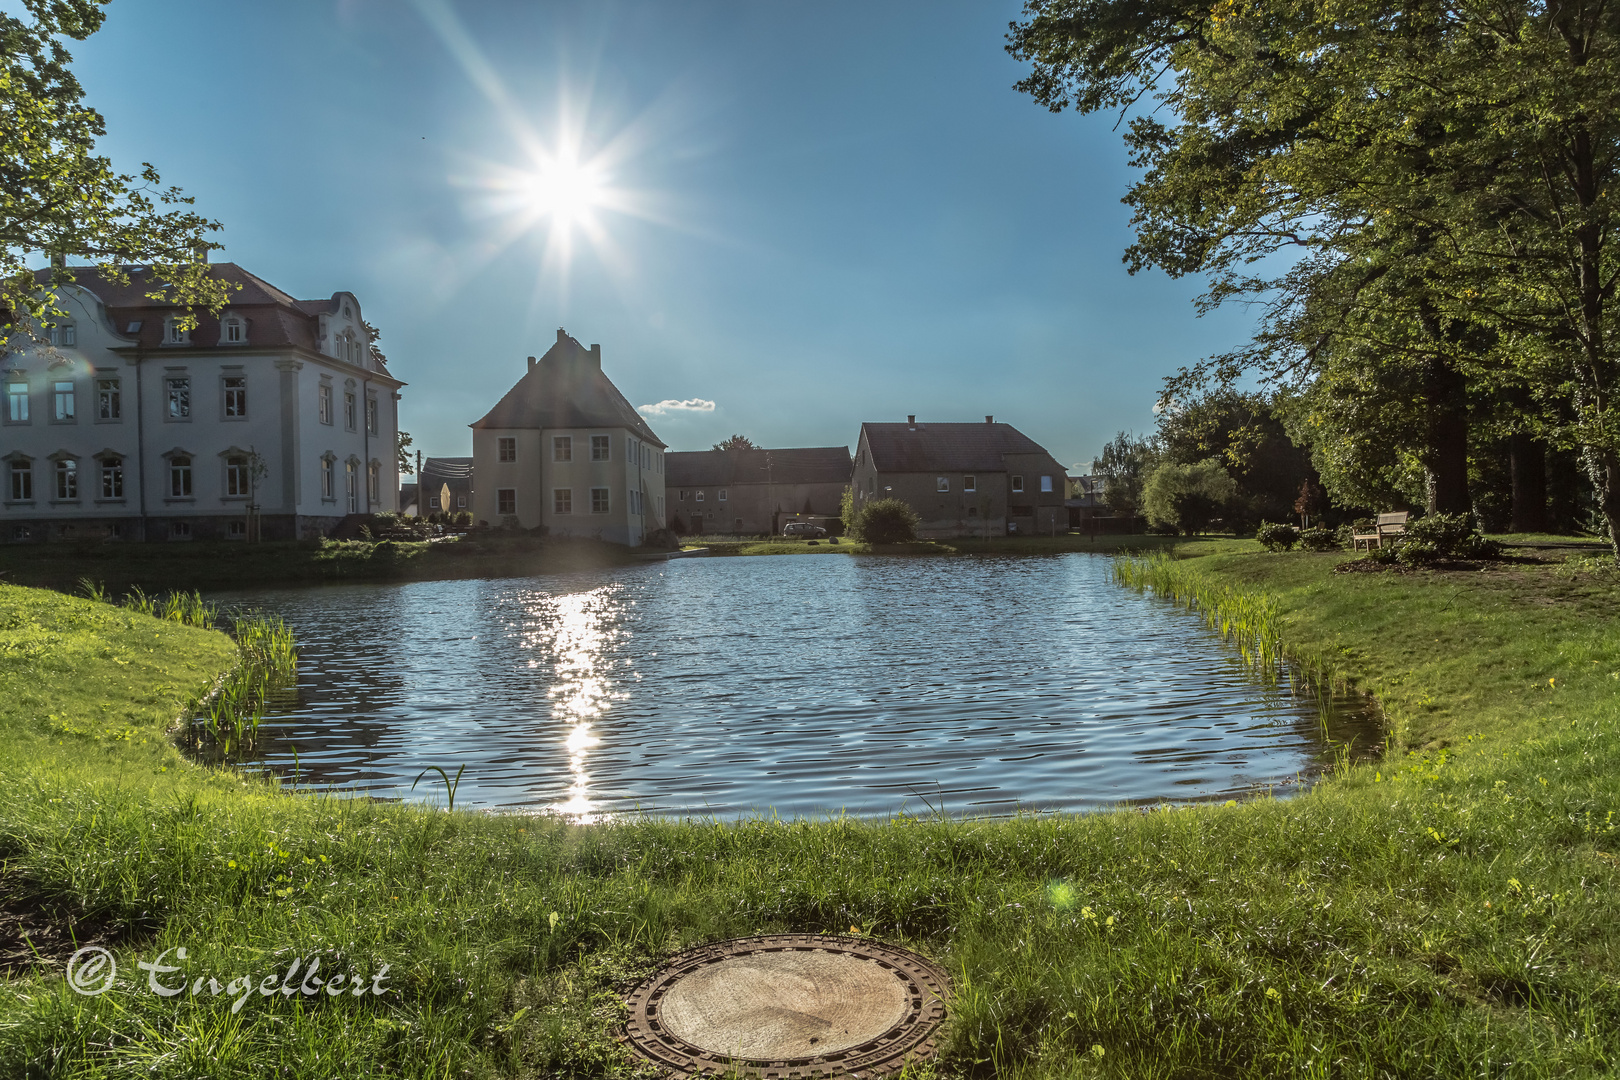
(984, 479)
(445, 486)
(564, 450)
(754, 491)
(119, 424)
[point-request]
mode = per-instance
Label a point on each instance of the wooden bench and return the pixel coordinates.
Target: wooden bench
(1388, 527)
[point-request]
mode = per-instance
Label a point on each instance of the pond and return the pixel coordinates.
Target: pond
(792, 685)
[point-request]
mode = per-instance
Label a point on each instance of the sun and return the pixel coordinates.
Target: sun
(566, 190)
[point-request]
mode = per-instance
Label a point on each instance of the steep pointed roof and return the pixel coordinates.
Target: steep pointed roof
(565, 388)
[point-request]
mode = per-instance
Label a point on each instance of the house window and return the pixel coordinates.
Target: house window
(236, 476)
(67, 479)
(179, 478)
(373, 476)
(348, 409)
(109, 401)
(235, 388)
(371, 415)
(112, 478)
(179, 398)
(942, 483)
(235, 331)
(973, 511)
(1046, 484)
(681, 497)
(601, 447)
(507, 448)
(351, 493)
(461, 502)
(325, 400)
(599, 500)
(969, 483)
(328, 480)
(179, 530)
(64, 402)
(562, 448)
(173, 335)
(506, 501)
(722, 495)
(700, 496)
(64, 334)
(1018, 483)
(17, 402)
(236, 530)
(22, 481)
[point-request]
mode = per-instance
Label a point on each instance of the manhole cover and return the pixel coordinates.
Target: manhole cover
(789, 1006)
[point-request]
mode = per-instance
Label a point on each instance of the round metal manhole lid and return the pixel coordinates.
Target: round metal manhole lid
(790, 1006)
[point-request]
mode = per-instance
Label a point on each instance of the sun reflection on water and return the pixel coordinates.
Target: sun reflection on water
(573, 635)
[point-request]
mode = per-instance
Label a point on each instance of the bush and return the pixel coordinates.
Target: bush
(1450, 536)
(885, 521)
(1417, 553)
(1275, 537)
(1317, 538)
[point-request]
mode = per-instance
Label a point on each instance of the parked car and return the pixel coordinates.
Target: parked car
(803, 529)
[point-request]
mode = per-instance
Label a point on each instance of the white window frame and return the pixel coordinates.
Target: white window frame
(66, 477)
(506, 448)
(601, 500)
(605, 444)
(21, 487)
(109, 399)
(182, 483)
(17, 395)
(177, 399)
(1046, 485)
(1018, 485)
(562, 501)
(970, 483)
(562, 448)
(64, 402)
(942, 483)
(323, 403)
(506, 502)
(112, 478)
(238, 478)
(350, 416)
(328, 477)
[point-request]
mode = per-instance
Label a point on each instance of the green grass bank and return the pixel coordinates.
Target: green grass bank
(1447, 911)
(217, 566)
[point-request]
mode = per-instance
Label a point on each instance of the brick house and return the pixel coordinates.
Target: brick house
(984, 479)
(755, 492)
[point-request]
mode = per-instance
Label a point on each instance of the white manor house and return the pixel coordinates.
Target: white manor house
(118, 424)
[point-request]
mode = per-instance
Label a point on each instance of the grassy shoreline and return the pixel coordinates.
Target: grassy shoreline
(1446, 911)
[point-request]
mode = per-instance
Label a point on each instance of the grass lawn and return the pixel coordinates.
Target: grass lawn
(1004, 545)
(1447, 911)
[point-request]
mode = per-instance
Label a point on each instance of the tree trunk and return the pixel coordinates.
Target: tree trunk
(1527, 461)
(1445, 458)
(1608, 493)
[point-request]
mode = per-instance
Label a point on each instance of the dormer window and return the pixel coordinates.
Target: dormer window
(64, 334)
(173, 334)
(235, 331)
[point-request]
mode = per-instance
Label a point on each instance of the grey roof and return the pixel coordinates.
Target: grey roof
(566, 389)
(797, 465)
(900, 448)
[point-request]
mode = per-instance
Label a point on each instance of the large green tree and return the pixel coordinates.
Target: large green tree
(1442, 173)
(59, 198)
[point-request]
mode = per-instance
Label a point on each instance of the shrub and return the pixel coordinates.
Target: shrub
(885, 521)
(1320, 539)
(1417, 552)
(1276, 537)
(1450, 536)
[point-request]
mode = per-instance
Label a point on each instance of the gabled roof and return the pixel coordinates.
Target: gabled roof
(901, 448)
(566, 389)
(798, 465)
(274, 318)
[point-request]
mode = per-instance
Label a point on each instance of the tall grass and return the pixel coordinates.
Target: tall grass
(1249, 620)
(227, 720)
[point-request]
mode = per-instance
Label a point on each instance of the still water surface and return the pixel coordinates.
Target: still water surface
(799, 685)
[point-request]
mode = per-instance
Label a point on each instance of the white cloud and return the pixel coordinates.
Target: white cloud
(670, 405)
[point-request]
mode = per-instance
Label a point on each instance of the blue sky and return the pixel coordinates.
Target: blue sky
(812, 215)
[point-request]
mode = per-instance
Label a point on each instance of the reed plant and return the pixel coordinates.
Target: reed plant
(1246, 618)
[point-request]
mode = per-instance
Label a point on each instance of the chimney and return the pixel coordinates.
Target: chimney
(200, 252)
(596, 357)
(911, 422)
(531, 363)
(561, 336)
(989, 419)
